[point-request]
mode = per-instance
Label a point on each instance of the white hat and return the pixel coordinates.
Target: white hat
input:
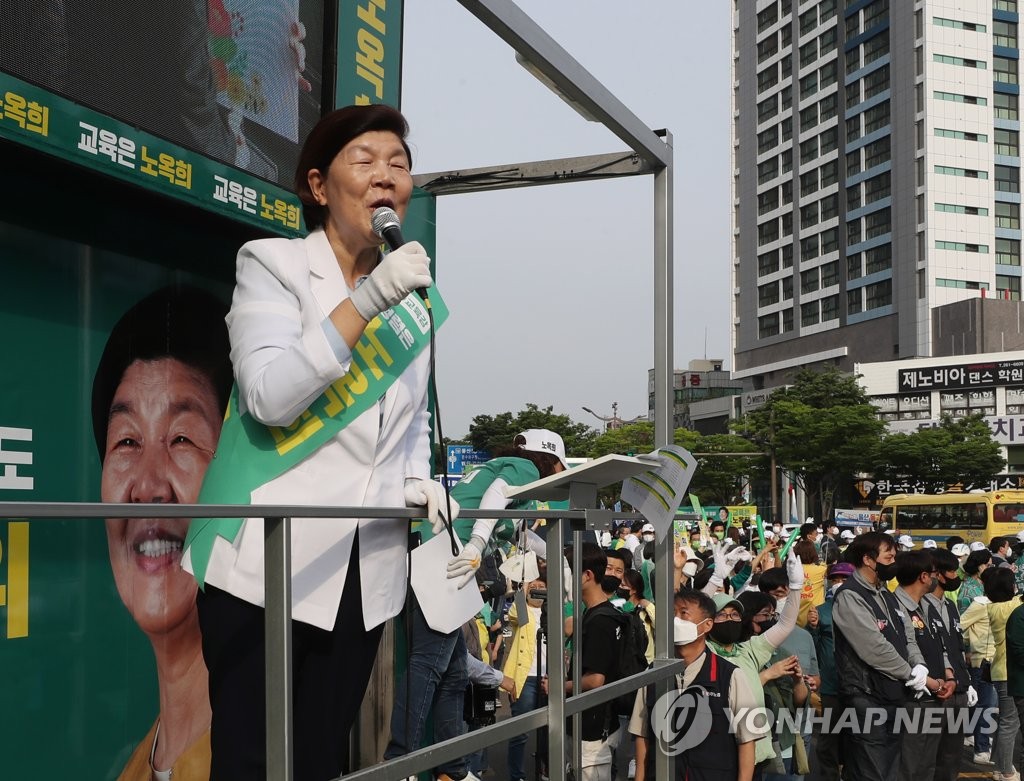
(541, 440)
(905, 541)
(891, 531)
(929, 544)
(978, 545)
(960, 549)
(647, 528)
(769, 534)
(846, 534)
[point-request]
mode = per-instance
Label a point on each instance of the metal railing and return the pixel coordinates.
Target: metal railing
(280, 717)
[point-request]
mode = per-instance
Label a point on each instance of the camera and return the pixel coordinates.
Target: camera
(538, 594)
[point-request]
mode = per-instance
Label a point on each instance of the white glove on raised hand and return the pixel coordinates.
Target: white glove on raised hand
(400, 272)
(736, 555)
(972, 697)
(430, 494)
(465, 565)
(795, 571)
(719, 557)
(918, 678)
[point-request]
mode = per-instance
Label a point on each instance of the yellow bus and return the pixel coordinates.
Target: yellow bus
(975, 516)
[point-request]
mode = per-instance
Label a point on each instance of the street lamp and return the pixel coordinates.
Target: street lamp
(614, 421)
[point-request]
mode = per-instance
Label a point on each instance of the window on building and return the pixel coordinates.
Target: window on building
(853, 93)
(768, 294)
(826, 10)
(876, 82)
(829, 140)
(876, 47)
(809, 215)
(878, 294)
(809, 150)
(878, 187)
(1005, 106)
(768, 78)
(767, 48)
(809, 248)
(829, 207)
(1007, 142)
(768, 108)
(878, 259)
(877, 223)
(853, 128)
(853, 267)
(853, 197)
(1008, 215)
(876, 117)
(1004, 34)
(829, 173)
(808, 20)
(786, 128)
(853, 162)
(827, 107)
(808, 117)
(853, 59)
(827, 74)
(877, 152)
(958, 25)
(787, 192)
(1004, 70)
(808, 85)
(768, 325)
(854, 301)
(875, 13)
(787, 161)
(787, 256)
(768, 201)
(1008, 252)
(853, 233)
(787, 224)
(809, 183)
(787, 320)
(830, 274)
(809, 313)
(1007, 179)
(768, 232)
(829, 241)
(853, 25)
(830, 308)
(787, 288)
(767, 170)
(767, 17)
(1008, 287)
(1005, 5)
(767, 139)
(808, 52)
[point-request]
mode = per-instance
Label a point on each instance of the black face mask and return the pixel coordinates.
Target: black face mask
(951, 584)
(622, 592)
(767, 624)
(610, 584)
(885, 571)
(726, 632)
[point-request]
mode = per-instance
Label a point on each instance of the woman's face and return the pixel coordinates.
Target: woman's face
(163, 429)
(370, 171)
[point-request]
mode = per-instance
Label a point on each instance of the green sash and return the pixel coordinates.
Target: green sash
(250, 454)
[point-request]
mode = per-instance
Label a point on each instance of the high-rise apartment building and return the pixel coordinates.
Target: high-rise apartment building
(876, 178)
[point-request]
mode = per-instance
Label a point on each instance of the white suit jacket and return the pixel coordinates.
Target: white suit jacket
(282, 360)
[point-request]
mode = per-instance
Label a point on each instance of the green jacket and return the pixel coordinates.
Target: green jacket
(1015, 652)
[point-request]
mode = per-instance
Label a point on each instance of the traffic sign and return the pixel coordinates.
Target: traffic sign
(461, 456)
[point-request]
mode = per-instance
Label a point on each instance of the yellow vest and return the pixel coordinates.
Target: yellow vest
(520, 660)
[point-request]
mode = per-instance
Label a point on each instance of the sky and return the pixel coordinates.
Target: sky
(551, 288)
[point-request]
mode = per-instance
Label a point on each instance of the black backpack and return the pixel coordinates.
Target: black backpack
(632, 659)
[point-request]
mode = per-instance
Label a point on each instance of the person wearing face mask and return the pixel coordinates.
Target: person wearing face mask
(749, 652)
(945, 622)
(728, 750)
(976, 562)
(877, 652)
(1000, 591)
(977, 629)
(917, 577)
(828, 746)
(717, 530)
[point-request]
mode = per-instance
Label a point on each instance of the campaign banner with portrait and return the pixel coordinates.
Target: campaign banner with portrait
(116, 376)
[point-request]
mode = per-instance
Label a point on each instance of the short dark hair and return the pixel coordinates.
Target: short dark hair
(328, 137)
(807, 528)
(999, 585)
(975, 559)
(955, 539)
(911, 564)
(181, 322)
(594, 560)
(944, 560)
(625, 555)
(772, 578)
(705, 604)
(996, 543)
(869, 544)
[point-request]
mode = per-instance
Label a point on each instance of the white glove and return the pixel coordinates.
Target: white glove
(719, 557)
(430, 494)
(736, 555)
(972, 697)
(465, 565)
(402, 271)
(795, 571)
(918, 678)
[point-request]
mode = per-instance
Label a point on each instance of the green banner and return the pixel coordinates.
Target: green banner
(251, 454)
(37, 118)
(369, 52)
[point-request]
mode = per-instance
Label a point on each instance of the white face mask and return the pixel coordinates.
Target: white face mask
(780, 604)
(684, 632)
(648, 536)
(834, 588)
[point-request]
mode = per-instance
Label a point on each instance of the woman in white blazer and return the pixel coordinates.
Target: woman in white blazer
(299, 309)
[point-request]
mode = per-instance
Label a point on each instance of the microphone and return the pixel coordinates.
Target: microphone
(386, 224)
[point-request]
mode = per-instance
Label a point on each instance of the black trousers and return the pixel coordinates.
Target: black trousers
(330, 673)
(872, 751)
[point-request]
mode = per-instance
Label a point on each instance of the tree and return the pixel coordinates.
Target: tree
(823, 429)
(491, 433)
(958, 450)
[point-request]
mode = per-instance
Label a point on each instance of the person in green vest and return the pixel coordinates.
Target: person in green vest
(437, 675)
